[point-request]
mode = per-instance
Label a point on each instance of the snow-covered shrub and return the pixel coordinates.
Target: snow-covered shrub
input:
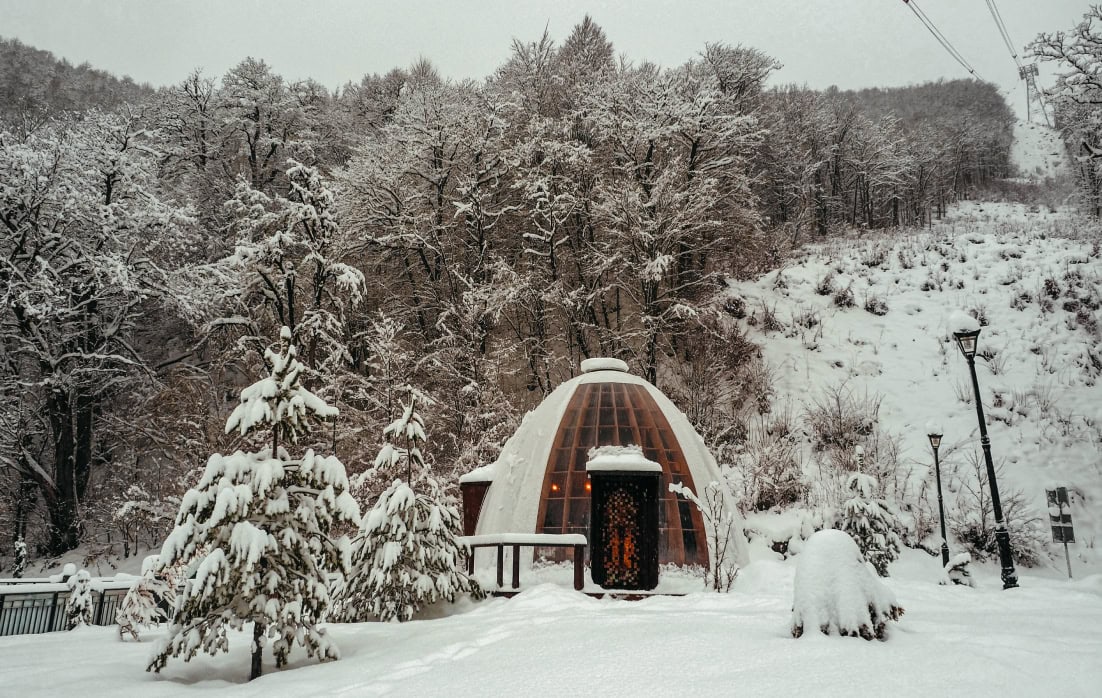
(876, 305)
(871, 522)
(843, 297)
(825, 286)
(78, 608)
(970, 518)
(20, 562)
(259, 528)
(958, 571)
(768, 468)
(839, 420)
(836, 593)
(719, 524)
(149, 601)
(876, 256)
(406, 557)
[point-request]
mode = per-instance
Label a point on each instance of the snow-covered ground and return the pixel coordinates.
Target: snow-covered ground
(1040, 639)
(1038, 151)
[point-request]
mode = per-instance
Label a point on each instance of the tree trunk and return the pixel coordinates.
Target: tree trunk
(258, 650)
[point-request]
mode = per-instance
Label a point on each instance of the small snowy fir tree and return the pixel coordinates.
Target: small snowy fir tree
(78, 609)
(871, 522)
(258, 529)
(402, 440)
(958, 572)
(407, 555)
(836, 593)
(20, 558)
(149, 601)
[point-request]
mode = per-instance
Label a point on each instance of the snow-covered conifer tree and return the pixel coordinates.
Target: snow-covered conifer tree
(20, 565)
(835, 592)
(958, 571)
(149, 600)
(258, 529)
(78, 609)
(871, 522)
(407, 555)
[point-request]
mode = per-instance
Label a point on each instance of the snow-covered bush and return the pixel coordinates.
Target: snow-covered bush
(836, 593)
(149, 601)
(261, 529)
(78, 608)
(876, 305)
(843, 297)
(871, 522)
(958, 571)
(970, 518)
(406, 555)
(768, 467)
(719, 524)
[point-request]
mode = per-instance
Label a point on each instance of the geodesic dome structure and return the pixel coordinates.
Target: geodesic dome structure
(539, 484)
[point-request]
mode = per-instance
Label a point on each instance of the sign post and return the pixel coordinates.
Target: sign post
(1059, 516)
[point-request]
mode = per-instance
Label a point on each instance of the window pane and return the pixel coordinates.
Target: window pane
(552, 517)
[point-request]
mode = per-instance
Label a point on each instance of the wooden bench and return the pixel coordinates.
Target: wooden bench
(527, 540)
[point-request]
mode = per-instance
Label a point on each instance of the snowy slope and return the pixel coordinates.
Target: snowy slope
(1035, 277)
(1038, 151)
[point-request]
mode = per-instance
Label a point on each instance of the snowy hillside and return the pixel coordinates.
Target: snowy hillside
(1038, 152)
(1034, 280)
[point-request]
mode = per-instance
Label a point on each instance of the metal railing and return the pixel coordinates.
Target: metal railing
(38, 607)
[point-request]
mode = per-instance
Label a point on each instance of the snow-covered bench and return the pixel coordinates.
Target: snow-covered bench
(529, 540)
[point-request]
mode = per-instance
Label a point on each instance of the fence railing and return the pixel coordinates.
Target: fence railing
(38, 607)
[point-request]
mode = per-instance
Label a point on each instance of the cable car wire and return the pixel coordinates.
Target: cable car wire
(997, 16)
(941, 38)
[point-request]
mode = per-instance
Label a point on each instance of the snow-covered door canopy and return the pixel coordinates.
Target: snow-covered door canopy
(540, 482)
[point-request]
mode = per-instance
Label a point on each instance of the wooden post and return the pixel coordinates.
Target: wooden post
(500, 565)
(579, 567)
(470, 560)
(516, 566)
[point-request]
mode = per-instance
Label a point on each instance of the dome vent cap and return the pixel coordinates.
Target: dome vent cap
(604, 364)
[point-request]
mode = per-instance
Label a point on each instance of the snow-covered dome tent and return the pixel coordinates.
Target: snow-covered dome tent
(539, 483)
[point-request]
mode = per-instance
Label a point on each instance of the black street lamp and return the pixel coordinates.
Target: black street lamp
(935, 441)
(966, 340)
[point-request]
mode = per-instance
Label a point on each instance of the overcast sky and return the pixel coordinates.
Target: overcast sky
(849, 43)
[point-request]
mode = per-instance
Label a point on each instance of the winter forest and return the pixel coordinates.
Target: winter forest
(342, 300)
(474, 241)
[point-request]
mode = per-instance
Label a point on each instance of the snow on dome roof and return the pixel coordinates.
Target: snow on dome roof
(603, 364)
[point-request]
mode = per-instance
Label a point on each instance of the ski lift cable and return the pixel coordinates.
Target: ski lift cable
(941, 38)
(997, 16)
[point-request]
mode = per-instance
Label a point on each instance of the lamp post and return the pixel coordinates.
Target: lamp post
(935, 441)
(966, 340)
